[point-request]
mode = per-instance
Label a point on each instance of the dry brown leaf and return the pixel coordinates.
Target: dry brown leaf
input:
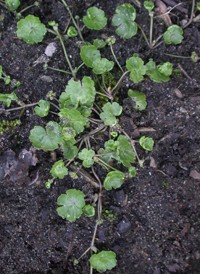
(163, 12)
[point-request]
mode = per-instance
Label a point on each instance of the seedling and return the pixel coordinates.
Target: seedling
(104, 260)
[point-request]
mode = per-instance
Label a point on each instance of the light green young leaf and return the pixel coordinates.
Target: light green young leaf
(47, 139)
(149, 5)
(99, 43)
(110, 111)
(89, 54)
(114, 179)
(132, 172)
(68, 133)
(146, 143)
(59, 170)
(72, 32)
(31, 30)
(7, 99)
(87, 156)
(95, 19)
(139, 99)
(124, 20)
(12, 4)
(166, 68)
(89, 211)
(101, 66)
(73, 118)
(104, 260)
(154, 74)
(81, 93)
(125, 152)
(173, 35)
(70, 204)
(43, 109)
(136, 67)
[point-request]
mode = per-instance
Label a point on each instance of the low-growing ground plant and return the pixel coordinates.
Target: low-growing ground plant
(88, 109)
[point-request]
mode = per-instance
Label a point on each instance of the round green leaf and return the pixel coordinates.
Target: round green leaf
(149, 5)
(110, 111)
(104, 260)
(72, 32)
(146, 143)
(89, 211)
(173, 35)
(12, 4)
(124, 20)
(31, 30)
(166, 68)
(101, 66)
(87, 155)
(89, 54)
(70, 204)
(95, 19)
(114, 179)
(59, 170)
(136, 67)
(46, 139)
(43, 109)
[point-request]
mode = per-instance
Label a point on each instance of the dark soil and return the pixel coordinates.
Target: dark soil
(153, 221)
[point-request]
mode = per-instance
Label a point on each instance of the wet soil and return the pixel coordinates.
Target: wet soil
(152, 222)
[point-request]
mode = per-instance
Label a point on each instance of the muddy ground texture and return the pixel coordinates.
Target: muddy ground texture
(153, 221)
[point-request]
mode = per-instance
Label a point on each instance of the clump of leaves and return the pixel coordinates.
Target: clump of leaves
(103, 261)
(160, 73)
(173, 35)
(95, 19)
(124, 21)
(31, 30)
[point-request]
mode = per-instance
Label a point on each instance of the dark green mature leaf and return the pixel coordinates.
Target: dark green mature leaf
(73, 118)
(110, 111)
(81, 93)
(124, 20)
(87, 156)
(59, 170)
(89, 54)
(95, 19)
(136, 67)
(139, 98)
(70, 205)
(43, 109)
(31, 30)
(114, 179)
(101, 66)
(47, 139)
(104, 260)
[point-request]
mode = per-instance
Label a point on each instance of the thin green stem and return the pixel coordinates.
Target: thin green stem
(104, 164)
(73, 20)
(60, 70)
(65, 53)
(178, 56)
(151, 14)
(115, 58)
(29, 7)
(18, 108)
(55, 106)
(119, 81)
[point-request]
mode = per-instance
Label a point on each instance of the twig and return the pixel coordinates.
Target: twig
(191, 15)
(184, 72)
